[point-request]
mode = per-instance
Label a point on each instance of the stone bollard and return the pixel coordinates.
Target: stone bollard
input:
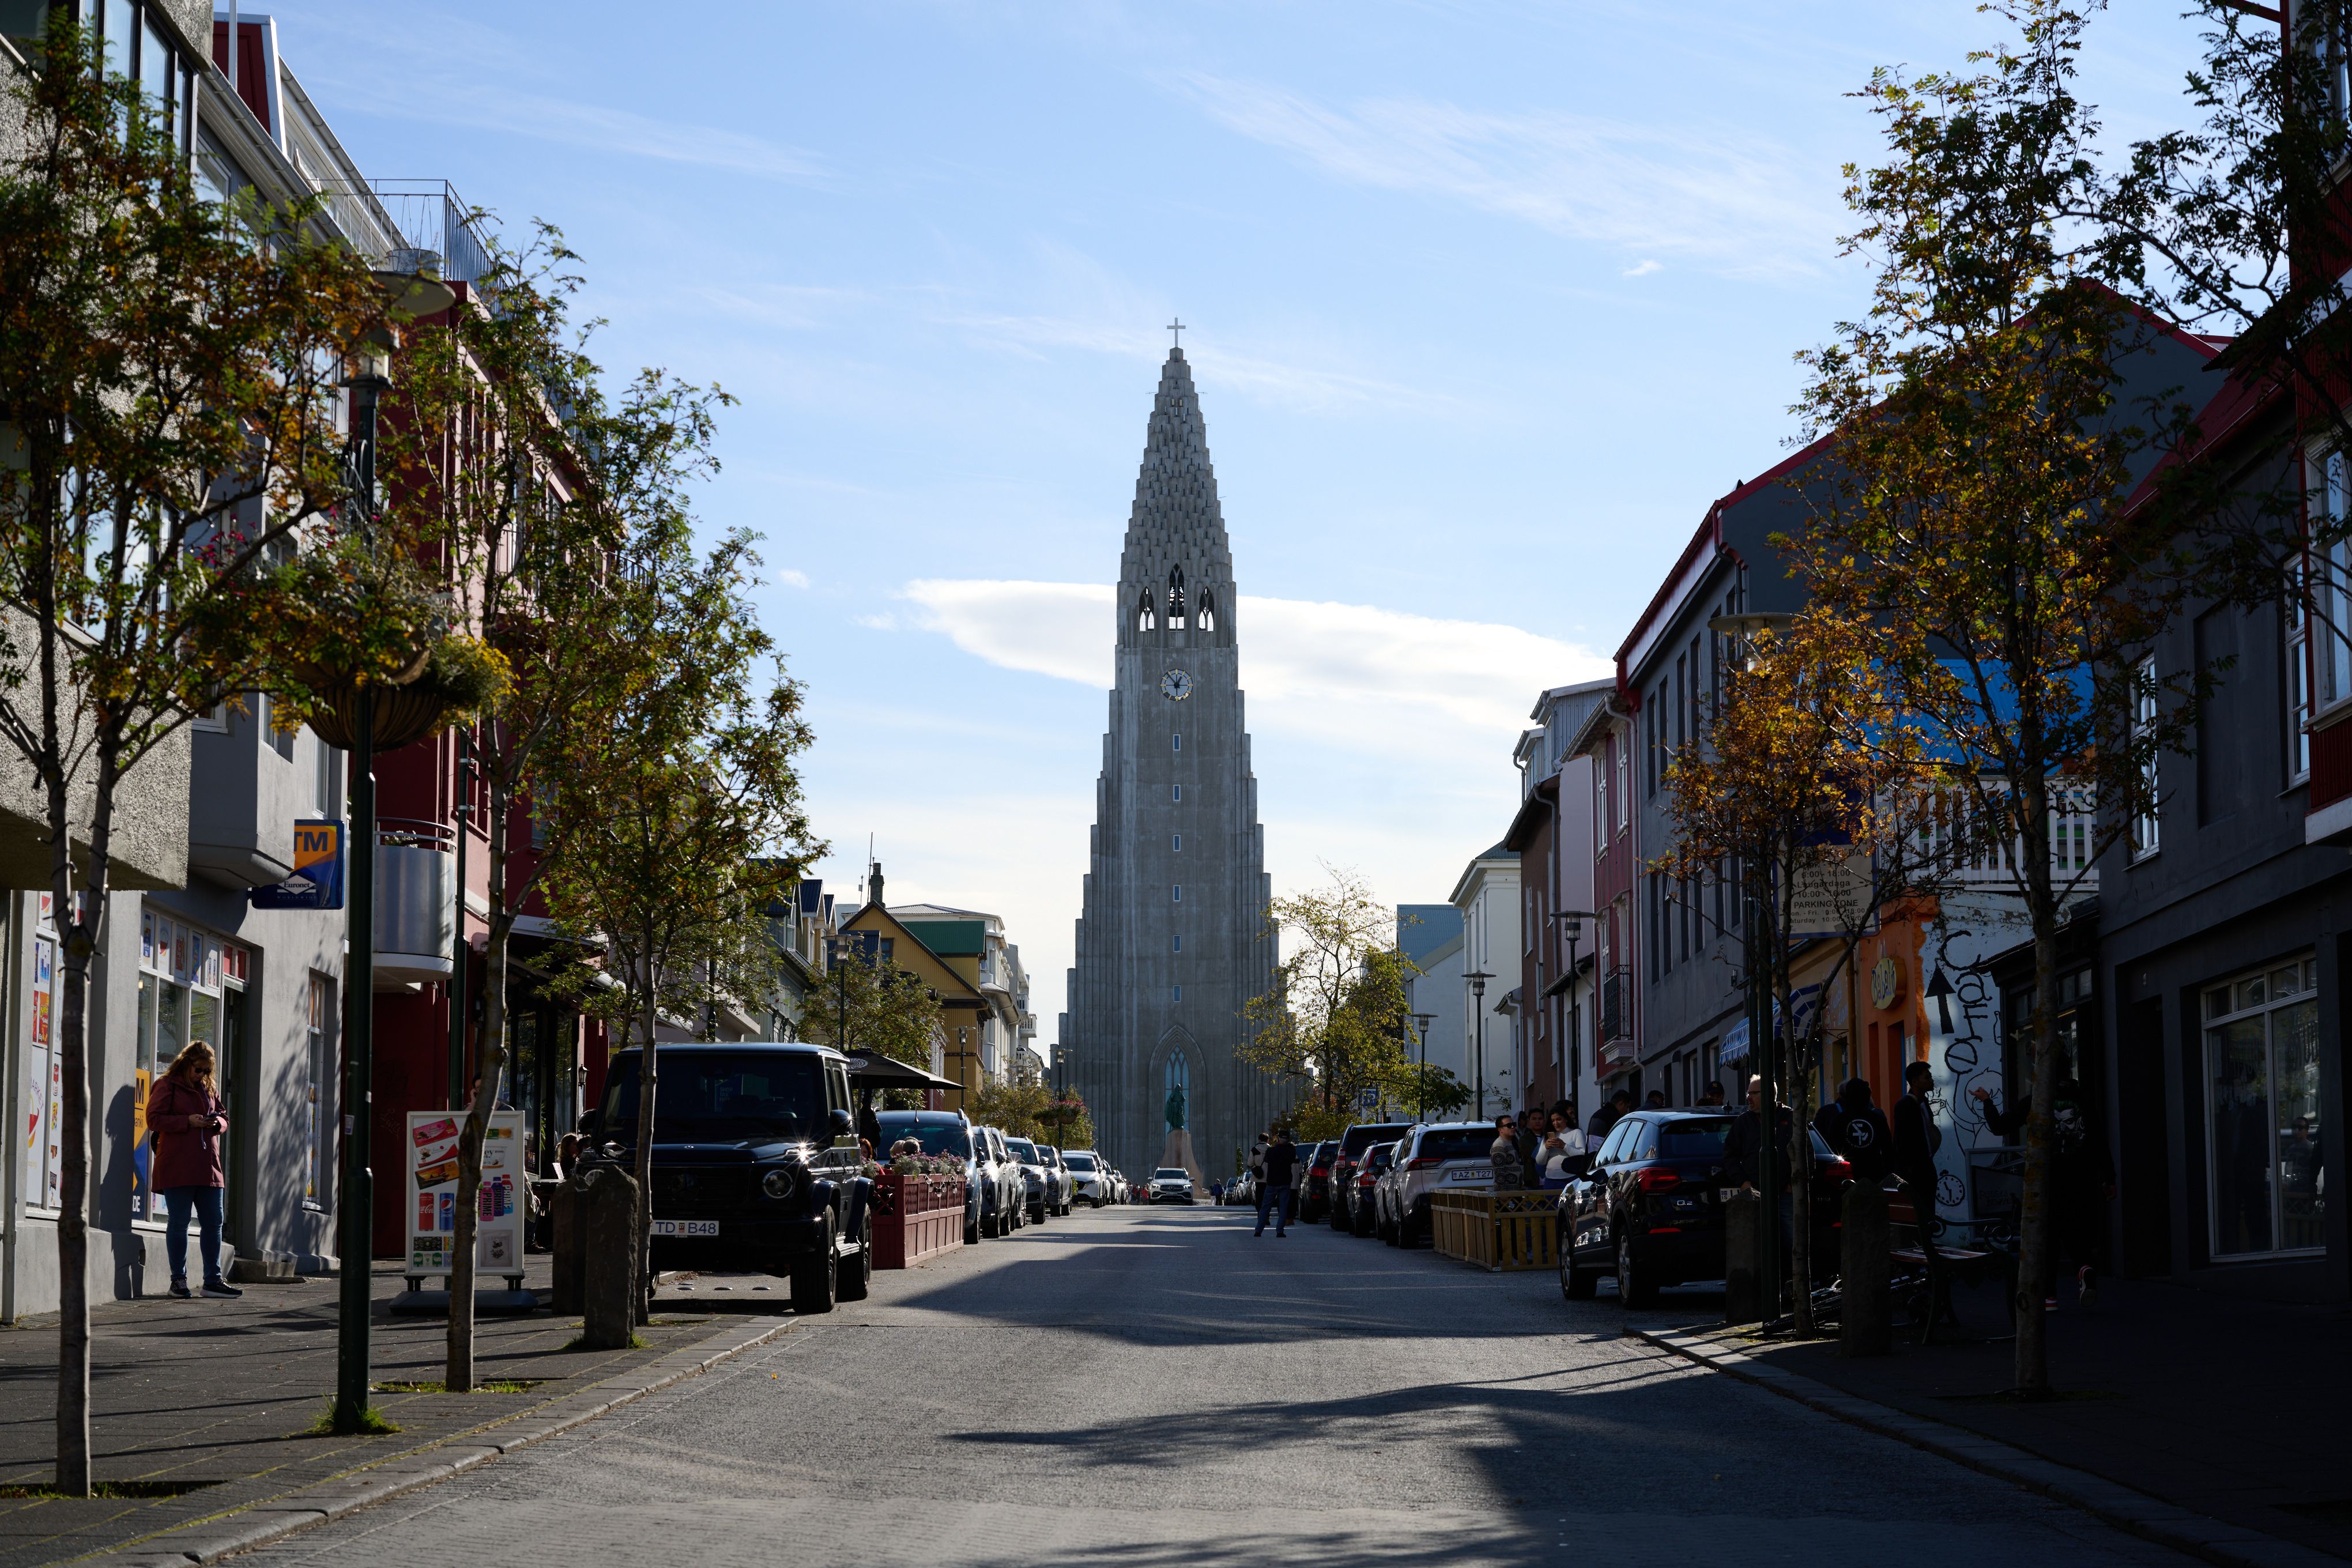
(1743, 1299)
(608, 1258)
(1864, 1312)
(568, 1212)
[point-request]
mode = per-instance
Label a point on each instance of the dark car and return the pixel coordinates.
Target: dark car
(1315, 1181)
(1649, 1208)
(755, 1164)
(1363, 1187)
(1352, 1144)
(940, 1133)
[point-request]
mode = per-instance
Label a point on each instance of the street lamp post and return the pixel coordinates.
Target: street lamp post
(1477, 980)
(1421, 1093)
(1575, 934)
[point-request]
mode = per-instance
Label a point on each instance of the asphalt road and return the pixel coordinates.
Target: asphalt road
(1156, 1387)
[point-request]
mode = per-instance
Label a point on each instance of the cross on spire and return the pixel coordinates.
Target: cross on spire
(1177, 327)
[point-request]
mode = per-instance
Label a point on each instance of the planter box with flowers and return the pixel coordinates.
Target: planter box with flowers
(919, 1208)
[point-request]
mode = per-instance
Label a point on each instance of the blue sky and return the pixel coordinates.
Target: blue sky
(1487, 302)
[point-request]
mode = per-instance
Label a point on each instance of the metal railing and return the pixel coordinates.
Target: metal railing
(1616, 1006)
(410, 225)
(1956, 842)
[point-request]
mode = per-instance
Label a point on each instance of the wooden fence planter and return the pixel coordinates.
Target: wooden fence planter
(1499, 1232)
(916, 1218)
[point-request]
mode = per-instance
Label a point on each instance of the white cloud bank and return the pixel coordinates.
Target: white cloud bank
(1346, 675)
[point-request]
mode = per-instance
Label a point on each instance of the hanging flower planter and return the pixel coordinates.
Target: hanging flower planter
(404, 715)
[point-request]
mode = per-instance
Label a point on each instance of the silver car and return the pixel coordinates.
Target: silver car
(1172, 1185)
(1036, 1186)
(1447, 1154)
(1058, 1175)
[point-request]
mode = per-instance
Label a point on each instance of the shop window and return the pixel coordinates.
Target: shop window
(2262, 1113)
(185, 975)
(44, 1079)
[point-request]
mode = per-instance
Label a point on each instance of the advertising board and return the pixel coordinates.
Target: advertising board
(431, 1159)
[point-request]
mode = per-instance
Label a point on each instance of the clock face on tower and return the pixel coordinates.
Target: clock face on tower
(1175, 686)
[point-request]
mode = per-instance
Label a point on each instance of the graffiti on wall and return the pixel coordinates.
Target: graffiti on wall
(1965, 1049)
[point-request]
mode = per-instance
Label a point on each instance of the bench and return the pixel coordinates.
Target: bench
(1968, 1265)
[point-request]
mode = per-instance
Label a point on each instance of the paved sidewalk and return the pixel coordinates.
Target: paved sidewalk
(219, 1396)
(2209, 1405)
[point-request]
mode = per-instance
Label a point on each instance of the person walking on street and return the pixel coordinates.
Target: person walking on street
(1531, 1141)
(1858, 1130)
(1273, 1192)
(1916, 1138)
(1503, 1154)
(1743, 1151)
(184, 1117)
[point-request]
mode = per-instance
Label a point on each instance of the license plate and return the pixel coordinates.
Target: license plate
(1469, 1175)
(686, 1227)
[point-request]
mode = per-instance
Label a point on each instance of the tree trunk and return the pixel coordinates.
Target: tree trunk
(73, 1476)
(648, 1083)
(2033, 1284)
(490, 1067)
(1800, 1153)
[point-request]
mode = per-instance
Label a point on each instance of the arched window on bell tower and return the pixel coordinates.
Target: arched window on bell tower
(1145, 619)
(1208, 618)
(1175, 596)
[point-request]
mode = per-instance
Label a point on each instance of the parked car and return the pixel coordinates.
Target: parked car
(1065, 1183)
(940, 1133)
(1243, 1190)
(1448, 1154)
(1037, 1190)
(1352, 1144)
(1315, 1181)
(1090, 1180)
(740, 1132)
(1172, 1185)
(1363, 1197)
(1649, 1210)
(1005, 1198)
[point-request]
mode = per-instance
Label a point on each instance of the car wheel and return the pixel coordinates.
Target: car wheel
(1633, 1289)
(1575, 1284)
(972, 1230)
(814, 1281)
(854, 1286)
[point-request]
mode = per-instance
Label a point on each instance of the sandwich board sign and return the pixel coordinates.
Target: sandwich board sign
(431, 1161)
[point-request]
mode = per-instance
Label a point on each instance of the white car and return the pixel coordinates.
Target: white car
(1447, 1154)
(1094, 1184)
(1172, 1185)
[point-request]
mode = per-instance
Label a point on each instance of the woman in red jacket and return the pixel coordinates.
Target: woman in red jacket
(183, 1113)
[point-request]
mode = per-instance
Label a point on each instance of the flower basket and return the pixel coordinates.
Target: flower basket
(916, 1218)
(404, 715)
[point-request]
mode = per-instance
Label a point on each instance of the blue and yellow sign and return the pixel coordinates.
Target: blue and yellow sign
(317, 879)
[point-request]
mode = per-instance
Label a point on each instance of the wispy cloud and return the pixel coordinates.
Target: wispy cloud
(790, 578)
(1642, 269)
(1350, 676)
(1739, 204)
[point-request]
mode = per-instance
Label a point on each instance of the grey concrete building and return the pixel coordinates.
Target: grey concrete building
(1171, 941)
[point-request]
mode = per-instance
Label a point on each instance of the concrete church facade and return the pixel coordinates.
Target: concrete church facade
(1171, 941)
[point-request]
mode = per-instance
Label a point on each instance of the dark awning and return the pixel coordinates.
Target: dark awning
(882, 1072)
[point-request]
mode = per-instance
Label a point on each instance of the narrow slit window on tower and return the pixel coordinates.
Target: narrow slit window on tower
(1176, 842)
(1179, 740)
(1180, 894)
(1180, 991)
(1179, 792)
(1180, 942)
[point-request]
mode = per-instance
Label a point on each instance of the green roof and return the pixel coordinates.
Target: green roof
(949, 938)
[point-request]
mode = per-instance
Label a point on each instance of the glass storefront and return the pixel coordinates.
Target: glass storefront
(44, 1085)
(188, 980)
(2263, 1115)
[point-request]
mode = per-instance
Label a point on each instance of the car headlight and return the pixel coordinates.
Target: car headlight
(777, 1183)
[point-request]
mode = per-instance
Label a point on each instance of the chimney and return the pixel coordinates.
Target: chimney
(873, 887)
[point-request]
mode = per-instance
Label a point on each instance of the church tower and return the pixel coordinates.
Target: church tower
(1171, 943)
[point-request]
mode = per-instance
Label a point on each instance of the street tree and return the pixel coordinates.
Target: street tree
(1982, 451)
(169, 387)
(674, 812)
(1804, 780)
(1336, 1018)
(871, 1006)
(532, 479)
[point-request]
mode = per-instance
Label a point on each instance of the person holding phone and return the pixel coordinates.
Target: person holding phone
(184, 1117)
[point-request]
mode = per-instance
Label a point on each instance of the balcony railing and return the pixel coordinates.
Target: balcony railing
(410, 225)
(1616, 1006)
(1954, 844)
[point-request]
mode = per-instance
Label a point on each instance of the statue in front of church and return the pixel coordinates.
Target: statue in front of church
(1175, 1108)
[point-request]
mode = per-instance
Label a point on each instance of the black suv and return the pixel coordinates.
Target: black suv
(755, 1164)
(1649, 1209)
(1350, 1153)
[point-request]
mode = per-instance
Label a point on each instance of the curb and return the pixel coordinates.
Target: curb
(276, 1518)
(2134, 1513)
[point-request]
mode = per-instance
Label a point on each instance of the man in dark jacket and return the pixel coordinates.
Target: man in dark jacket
(1916, 1138)
(1274, 1190)
(1744, 1147)
(1611, 1111)
(2081, 1181)
(1857, 1130)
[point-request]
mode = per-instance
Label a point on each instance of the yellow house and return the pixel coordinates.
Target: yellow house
(962, 1004)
